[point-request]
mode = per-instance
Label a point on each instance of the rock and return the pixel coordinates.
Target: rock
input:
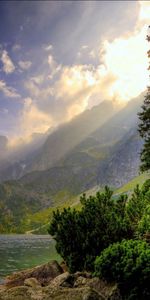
(83, 274)
(109, 291)
(16, 293)
(32, 282)
(65, 280)
(44, 274)
(114, 294)
(91, 295)
(84, 293)
(80, 281)
(64, 266)
(49, 282)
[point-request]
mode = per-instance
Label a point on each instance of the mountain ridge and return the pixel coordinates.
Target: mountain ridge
(109, 155)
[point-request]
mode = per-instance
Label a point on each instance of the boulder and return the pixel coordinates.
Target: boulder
(44, 274)
(32, 282)
(83, 274)
(49, 282)
(90, 294)
(114, 294)
(85, 293)
(80, 281)
(64, 280)
(109, 291)
(64, 266)
(16, 293)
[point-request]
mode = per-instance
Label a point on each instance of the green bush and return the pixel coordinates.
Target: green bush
(143, 228)
(81, 235)
(128, 264)
(137, 210)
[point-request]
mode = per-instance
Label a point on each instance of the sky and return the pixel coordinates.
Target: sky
(58, 58)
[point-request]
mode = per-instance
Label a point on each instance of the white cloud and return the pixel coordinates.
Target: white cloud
(8, 66)
(36, 91)
(126, 59)
(74, 88)
(48, 47)
(32, 119)
(25, 65)
(38, 79)
(51, 61)
(73, 81)
(33, 89)
(54, 67)
(144, 11)
(92, 53)
(84, 47)
(8, 91)
(121, 75)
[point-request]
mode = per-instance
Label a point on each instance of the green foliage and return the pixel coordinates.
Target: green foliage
(143, 229)
(128, 264)
(137, 209)
(144, 129)
(81, 235)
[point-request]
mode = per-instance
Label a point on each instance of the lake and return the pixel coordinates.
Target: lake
(19, 252)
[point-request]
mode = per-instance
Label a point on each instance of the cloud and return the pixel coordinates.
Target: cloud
(48, 47)
(8, 91)
(25, 65)
(38, 79)
(144, 11)
(120, 73)
(37, 92)
(73, 81)
(86, 53)
(32, 119)
(54, 67)
(80, 87)
(92, 53)
(85, 47)
(126, 59)
(8, 66)
(51, 61)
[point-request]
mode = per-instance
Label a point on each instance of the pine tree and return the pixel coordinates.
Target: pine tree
(144, 126)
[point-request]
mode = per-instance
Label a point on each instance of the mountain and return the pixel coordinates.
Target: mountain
(14, 159)
(3, 146)
(108, 155)
(45, 150)
(3, 143)
(67, 136)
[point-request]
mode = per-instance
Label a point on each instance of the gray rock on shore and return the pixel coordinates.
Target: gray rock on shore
(50, 282)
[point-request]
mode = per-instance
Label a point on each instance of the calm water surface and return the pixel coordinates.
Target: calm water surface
(19, 252)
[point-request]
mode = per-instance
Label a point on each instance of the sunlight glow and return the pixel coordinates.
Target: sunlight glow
(126, 58)
(144, 10)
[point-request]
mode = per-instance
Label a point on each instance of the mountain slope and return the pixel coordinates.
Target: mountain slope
(13, 159)
(108, 155)
(67, 136)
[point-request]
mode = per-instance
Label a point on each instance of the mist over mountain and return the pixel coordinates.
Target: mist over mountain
(94, 149)
(69, 135)
(94, 137)
(3, 146)
(45, 150)
(13, 159)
